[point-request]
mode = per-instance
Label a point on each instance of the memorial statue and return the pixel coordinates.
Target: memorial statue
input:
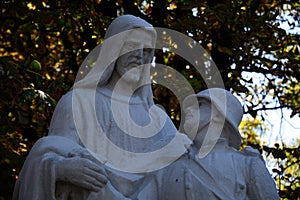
(224, 172)
(64, 165)
(108, 140)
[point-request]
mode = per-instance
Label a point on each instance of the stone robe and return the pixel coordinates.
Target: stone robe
(37, 179)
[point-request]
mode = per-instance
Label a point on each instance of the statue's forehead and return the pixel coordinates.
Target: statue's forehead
(202, 107)
(141, 36)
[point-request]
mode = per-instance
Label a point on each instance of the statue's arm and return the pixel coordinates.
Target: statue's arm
(37, 177)
(260, 183)
(54, 159)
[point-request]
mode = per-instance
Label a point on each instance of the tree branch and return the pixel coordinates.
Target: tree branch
(263, 109)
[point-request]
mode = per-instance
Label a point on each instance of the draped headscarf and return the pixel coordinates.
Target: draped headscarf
(168, 145)
(101, 61)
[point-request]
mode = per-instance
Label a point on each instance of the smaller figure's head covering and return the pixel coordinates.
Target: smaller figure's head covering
(230, 108)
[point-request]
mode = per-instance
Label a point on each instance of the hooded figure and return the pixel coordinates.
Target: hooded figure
(224, 172)
(110, 114)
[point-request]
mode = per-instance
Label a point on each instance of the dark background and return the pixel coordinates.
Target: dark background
(42, 44)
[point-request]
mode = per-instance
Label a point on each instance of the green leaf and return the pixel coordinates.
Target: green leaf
(36, 65)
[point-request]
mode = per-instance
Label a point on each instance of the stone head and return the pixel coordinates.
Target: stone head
(227, 106)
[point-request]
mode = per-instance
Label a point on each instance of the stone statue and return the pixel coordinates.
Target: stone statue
(64, 165)
(225, 172)
(108, 140)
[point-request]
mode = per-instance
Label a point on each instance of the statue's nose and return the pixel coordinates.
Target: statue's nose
(139, 53)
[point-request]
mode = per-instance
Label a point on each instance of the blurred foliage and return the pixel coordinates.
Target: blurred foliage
(282, 161)
(42, 44)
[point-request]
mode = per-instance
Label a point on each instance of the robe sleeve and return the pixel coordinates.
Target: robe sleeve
(38, 176)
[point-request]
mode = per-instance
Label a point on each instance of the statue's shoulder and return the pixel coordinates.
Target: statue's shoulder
(66, 99)
(252, 153)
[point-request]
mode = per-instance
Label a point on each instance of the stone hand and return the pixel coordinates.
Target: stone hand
(81, 172)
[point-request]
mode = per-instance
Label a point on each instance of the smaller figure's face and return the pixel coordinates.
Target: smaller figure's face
(197, 117)
(138, 50)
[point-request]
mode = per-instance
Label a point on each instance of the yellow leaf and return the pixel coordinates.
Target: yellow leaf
(48, 76)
